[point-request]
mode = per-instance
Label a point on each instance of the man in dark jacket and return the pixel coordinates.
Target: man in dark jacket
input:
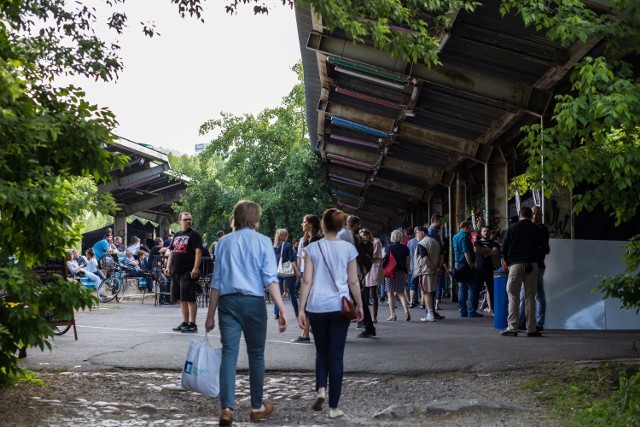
(541, 302)
(521, 248)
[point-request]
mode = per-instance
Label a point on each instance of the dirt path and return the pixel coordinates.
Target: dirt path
(140, 398)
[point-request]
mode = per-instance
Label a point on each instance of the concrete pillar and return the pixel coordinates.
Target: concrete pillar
(498, 214)
(164, 226)
(120, 224)
(436, 207)
(457, 203)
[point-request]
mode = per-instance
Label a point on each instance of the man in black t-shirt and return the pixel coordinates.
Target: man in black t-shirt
(184, 266)
(485, 249)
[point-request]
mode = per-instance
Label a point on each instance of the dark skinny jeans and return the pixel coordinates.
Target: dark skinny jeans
(329, 336)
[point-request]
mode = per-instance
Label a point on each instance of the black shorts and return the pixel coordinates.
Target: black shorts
(183, 287)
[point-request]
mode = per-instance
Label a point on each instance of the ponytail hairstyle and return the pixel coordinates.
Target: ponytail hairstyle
(333, 220)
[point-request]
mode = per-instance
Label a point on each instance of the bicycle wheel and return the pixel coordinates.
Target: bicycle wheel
(106, 290)
(119, 286)
(61, 330)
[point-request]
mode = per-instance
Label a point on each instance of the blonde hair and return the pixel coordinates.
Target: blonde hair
(397, 236)
(246, 213)
(280, 236)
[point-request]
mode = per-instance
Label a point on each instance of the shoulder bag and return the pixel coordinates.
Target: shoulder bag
(390, 266)
(285, 269)
(347, 311)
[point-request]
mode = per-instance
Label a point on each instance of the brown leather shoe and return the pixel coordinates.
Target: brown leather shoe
(226, 418)
(261, 415)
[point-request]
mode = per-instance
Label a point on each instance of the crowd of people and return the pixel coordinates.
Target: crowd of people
(335, 259)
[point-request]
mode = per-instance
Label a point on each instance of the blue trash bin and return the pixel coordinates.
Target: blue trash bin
(500, 301)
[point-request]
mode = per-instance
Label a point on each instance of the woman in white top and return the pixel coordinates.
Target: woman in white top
(92, 264)
(134, 245)
(311, 229)
(330, 273)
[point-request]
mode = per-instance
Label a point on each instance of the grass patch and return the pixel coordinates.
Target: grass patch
(607, 395)
(24, 377)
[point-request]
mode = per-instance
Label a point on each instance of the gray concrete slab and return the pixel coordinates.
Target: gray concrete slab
(131, 335)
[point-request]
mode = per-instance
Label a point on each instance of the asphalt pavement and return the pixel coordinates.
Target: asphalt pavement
(130, 335)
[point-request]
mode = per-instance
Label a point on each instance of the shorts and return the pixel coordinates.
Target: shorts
(183, 287)
(429, 282)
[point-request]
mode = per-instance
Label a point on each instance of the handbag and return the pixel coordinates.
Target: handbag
(201, 371)
(347, 310)
(463, 274)
(390, 266)
(285, 269)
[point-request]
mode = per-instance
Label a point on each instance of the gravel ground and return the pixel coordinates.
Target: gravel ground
(143, 398)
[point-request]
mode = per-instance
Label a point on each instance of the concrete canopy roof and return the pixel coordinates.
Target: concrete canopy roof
(146, 187)
(391, 133)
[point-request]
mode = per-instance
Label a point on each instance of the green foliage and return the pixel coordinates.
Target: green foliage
(592, 145)
(266, 158)
(606, 396)
(520, 184)
(410, 30)
(52, 156)
(626, 287)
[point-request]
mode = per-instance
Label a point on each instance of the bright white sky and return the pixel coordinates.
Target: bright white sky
(173, 83)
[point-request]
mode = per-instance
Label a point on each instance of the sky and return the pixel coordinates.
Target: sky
(193, 71)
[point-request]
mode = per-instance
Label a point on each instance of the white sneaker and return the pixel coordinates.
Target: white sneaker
(320, 398)
(335, 413)
(429, 318)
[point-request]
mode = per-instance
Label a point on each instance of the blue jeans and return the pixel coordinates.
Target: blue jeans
(467, 296)
(288, 283)
(238, 315)
(439, 286)
(329, 336)
(541, 303)
(414, 285)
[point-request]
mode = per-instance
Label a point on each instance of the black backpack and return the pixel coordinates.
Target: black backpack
(365, 254)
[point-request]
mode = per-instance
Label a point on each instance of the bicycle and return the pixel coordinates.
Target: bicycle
(113, 286)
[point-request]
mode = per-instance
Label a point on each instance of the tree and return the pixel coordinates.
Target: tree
(52, 141)
(266, 158)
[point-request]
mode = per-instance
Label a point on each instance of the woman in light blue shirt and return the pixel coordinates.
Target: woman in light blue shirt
(245, 266)
(330, 273)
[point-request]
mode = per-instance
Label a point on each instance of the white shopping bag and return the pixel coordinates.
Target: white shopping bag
(201, 371)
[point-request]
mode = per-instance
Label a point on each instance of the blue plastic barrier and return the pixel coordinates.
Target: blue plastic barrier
(500, 301)
(87, 283)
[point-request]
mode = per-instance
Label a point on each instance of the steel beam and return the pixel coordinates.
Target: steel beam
(440, 140)
(425, 172)
(369, 157)
(154, 201)
(399, 187)
(375, 121)
(127, 180)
